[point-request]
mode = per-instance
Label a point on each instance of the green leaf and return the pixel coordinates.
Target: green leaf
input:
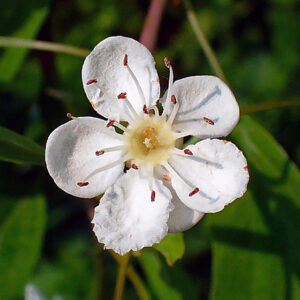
(21, 237)
(19, 149)
(152, 266)
(12, 58)
(256, 242)
(171, 247)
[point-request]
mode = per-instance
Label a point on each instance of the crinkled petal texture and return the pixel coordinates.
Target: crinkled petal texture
(181, 217)
(217, 168)
(104, 77)
(70, 156)
(126, 218)
(202, 97)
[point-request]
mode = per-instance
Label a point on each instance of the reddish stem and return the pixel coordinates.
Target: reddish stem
(149, 33)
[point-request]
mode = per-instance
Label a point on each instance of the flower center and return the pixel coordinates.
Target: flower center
(150, 140)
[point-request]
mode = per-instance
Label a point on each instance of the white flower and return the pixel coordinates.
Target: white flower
(167, 189)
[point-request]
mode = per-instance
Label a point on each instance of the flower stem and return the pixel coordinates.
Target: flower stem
(253, 108)
(208, 51)
(121, 276)
(41, 45)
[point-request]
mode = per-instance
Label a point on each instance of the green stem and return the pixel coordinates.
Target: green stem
(41, 45)
(121, 276)
(209, 53)
(134, 278)
(253, 108)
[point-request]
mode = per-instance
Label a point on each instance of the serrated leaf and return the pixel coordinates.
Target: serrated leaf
(171, 247)
(17, 148)
(256, 242)
(151, 265)
(21, 237)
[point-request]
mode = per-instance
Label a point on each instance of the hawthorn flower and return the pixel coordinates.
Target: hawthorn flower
(165, 189)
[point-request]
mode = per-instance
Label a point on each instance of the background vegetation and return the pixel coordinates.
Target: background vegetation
(248, 251)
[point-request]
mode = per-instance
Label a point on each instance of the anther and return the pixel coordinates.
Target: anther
(152, 196)
(82, 184)
(100, 152)
(125, 61)
(110, 123)
(193, 192)
(134, 166)
(167, 62)
(91, 81)
(122, 96)
(145, 109)
(166, 177)
(69, 116)
(188, 152)
(173, 99)
(209, 121)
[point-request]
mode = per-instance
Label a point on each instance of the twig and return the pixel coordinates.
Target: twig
(41, 45)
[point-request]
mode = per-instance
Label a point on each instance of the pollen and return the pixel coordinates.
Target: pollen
(150, 140)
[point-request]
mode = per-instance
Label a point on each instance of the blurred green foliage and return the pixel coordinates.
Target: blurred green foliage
(249, 251)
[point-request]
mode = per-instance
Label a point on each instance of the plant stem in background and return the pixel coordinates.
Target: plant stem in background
(148, 35)
(134, 278)
(121, 276)
(253, 108)
(41, 45)
(209, 53)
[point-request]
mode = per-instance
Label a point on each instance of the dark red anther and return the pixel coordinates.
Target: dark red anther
(81, 184)
(69, 116)
(209, 121)
(100, 152)
(91, 81)
(145, 109)
(188, 152)
(193, 192)
(110, 123)
(173, 99)
(125, 61)
(153, 196)
(167, 62)
(122, 96)
(134, 166)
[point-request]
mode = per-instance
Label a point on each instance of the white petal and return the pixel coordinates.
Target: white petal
(105, 64)
(202, 97)
(126, 218)
(181, 217)
(217, 168)
(70, 156)
(33, 293)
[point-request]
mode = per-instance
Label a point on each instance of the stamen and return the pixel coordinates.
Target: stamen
(173, 99)
(125, 60)
(145, 109)
(187, 151)
(193, 192)
(82, 184)
(137, 84)
(152, 196)
(110, 123)
(109, 166)
(154, 107)
(183, 180)
(98, 153)
(173, 113)
(134, 166)
(209, 121)
(166, 177)
(109, 149)
(179, 135)
(91, 81)
(170, 85)
(132, 110)
(70, 116)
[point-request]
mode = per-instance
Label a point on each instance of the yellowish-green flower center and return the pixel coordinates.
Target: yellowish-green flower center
(150, 141)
